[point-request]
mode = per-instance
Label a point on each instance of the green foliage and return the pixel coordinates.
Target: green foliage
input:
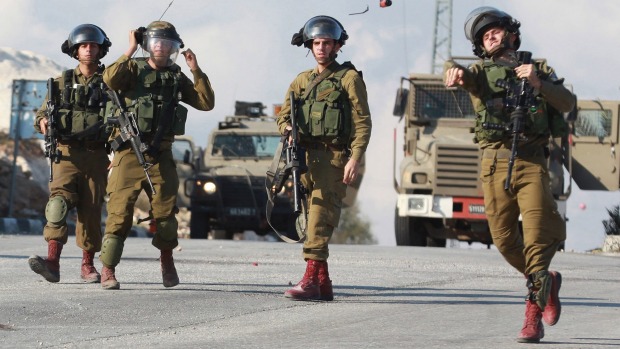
(612, 225)
(353, 229)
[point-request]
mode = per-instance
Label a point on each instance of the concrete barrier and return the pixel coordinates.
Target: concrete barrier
(21, 226)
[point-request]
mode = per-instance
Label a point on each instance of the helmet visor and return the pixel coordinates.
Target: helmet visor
(163, 52)
(86, 33)
(322, 28)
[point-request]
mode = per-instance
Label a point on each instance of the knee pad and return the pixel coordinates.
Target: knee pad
(56, 210)
(111, 250)
(167, 228)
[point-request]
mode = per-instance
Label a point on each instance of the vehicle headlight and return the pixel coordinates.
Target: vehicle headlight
(417, 204)
(209, 188)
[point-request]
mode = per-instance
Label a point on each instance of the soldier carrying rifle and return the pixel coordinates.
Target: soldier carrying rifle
(519, 106)
(152, 88)
(333, 119)
(72, 120)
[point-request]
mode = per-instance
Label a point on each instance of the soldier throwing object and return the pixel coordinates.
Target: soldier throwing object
(495, 37)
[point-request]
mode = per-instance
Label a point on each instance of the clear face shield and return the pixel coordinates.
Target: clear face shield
(163, 52)
(322, 29)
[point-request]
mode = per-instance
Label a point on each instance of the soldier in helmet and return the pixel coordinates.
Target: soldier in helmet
(333, 119)
(80, 177)
(495, 38)
(153, 88)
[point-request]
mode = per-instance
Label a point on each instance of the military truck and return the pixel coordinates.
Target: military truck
(439, 193)
(227, 192)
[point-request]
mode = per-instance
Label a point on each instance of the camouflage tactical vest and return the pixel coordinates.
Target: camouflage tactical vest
(155, 100)
(325, 114)
(542, 119)
(81, 108)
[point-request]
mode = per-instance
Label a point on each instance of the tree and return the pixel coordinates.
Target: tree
(353, 229)
(612, 225)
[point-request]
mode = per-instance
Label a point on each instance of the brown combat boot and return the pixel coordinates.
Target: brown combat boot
(48, 268)
(168, 271)
(533, 330)
(308, 288)
(89, 274)
(325, 284)
(108, 279)
(553, 309)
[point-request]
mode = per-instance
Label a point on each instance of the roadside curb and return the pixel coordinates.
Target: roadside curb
(21, 226)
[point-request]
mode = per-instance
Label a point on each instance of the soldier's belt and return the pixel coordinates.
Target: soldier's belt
(323, 146)
(505, 153)
(91, 145)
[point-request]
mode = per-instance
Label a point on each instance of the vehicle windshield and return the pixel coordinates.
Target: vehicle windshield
(436, 102)
(593, 122)
(245, 145)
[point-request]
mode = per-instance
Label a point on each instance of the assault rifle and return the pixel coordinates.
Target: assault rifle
(294, 166)
(519, 99)
(51, 133)
(128, 127)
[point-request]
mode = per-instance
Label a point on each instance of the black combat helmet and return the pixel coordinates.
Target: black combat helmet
(320, 27)
(85, 33)
(484, 18)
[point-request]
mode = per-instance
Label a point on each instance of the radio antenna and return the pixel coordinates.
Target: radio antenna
(162, 15)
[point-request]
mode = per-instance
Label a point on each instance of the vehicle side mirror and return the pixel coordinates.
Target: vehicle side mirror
(187, 157)
(401, 102)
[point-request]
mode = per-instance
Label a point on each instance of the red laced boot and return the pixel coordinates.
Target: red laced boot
(168, 271)
(108, 279)
(48, 268)
(88, 273)
(308, 287)
(533, 330)
(553, 309)
(325, 284)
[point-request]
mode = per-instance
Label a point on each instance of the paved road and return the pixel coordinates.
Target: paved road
(231, 297)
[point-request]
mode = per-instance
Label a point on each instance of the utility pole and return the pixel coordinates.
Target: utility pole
(442, 37)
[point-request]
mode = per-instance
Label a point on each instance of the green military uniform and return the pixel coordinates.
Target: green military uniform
(153, 95)
(332, 119)
(80, 177)
(529, 195)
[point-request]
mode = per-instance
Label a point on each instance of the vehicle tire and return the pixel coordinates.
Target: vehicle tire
(408, 231)
(198, 227)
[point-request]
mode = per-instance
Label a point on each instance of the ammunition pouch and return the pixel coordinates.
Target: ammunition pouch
(82, 109)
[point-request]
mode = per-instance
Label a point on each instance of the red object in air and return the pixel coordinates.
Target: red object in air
(385, 3)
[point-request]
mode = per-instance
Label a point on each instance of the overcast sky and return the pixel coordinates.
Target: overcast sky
(244, 47)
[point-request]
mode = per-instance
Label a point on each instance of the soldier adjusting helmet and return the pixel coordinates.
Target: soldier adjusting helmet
(86, 33)
(320, 27)
(162, 34)
(484, 18)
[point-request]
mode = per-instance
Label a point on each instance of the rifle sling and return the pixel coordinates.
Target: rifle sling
(317, 80)
(272, 173)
